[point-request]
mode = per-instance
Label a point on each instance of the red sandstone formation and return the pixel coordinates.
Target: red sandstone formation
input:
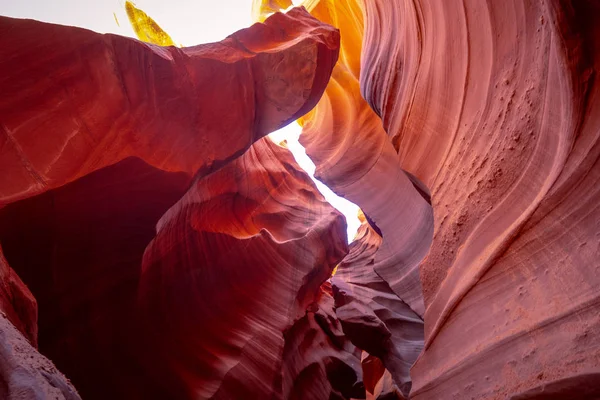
(101, 136)
(75, 101)
(17, 302)
(493, 106)
(174, 259)
(234, 263)
(372, 315)
(89, 237)
(319, 361)
(353, 156)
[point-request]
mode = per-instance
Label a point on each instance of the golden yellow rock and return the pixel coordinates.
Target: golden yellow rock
(261, 9)
(145, 28)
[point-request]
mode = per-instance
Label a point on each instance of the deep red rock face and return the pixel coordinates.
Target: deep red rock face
(75, 101)
(235, 262)
(17, 302)
(319, 360)
(152, 284)
(89, 237)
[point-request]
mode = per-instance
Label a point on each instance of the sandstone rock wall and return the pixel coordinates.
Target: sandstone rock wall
(164, 264)
(173, 252)
(493, 105)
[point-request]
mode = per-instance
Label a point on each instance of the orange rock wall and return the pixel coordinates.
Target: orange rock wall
(354, 157)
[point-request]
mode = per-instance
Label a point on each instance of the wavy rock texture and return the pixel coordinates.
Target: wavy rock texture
(319, 360)
(484, 114)
(353, 156)
(75, 101)
(494, 106)
(235, 262)
(101, 136)
(372, 316)
(345, 139)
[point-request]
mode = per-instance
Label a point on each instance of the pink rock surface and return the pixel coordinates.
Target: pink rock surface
(26, 374)
(494, 106)
(179, 256)
(353, 156)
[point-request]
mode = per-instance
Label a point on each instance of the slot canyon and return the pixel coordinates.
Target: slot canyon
(157, 243)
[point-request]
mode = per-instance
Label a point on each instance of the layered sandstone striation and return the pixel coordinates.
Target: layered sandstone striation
(76, 101)
(320, 362)
(378, 294)
(121, 169)
(353, 156)
(373, 317)
(494, 107)
(234, 263)
(179, 254)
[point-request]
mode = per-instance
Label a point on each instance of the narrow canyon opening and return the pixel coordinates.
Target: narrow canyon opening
(168, 220)
(291, 135)
(91, 236)
(188, 23)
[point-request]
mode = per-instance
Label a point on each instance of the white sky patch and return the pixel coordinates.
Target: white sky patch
(291, 133)
(188, 22)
